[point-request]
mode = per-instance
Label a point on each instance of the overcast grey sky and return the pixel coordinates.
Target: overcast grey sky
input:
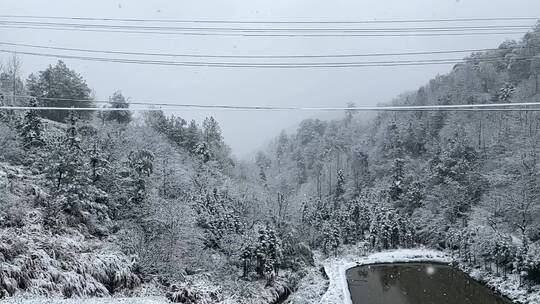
(248, 131)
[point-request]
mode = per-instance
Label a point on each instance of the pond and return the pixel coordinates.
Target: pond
(416, 283)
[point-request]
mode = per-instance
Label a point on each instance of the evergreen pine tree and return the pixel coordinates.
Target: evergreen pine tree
(268, 252)
(99, 165)
(203, 151)
(56, 86)
(340, 185)
(398, 176)
(331, 236)
(31, 127)
(118, 101)
(73, 193)
(193, 136)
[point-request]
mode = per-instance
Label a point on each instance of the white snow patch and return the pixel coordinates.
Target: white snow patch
(107, 300)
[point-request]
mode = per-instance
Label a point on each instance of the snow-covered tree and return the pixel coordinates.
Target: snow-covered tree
(506, 92)
(388, 229)
(331, 236)
(31, 127)
(118, 101)
(340, 189)
(218, 218)
(268, 253)
(59, 86)
(397, 186)
(202, 151)
(193, 135)
(73, 193)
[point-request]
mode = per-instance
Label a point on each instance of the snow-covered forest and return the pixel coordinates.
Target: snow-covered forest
(98, 204)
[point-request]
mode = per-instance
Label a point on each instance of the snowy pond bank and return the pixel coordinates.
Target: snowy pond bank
(338, 291)
(417, 282)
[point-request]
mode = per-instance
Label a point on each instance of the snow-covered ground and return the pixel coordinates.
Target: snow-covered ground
(338, 291)
(135, 300)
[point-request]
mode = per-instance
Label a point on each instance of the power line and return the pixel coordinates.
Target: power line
(493, 106)
(159, 104)
(274, 29)
(62, 108)
(229, 64)
(273, 21)
(260, 65)
(254, 34)
(373, 109)
(247, 56)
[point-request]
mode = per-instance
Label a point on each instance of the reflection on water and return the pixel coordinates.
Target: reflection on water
(416, 284)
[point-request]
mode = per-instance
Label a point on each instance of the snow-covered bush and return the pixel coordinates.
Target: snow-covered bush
(532, 263)
(297, 256)
(189, 294)
(39, 262)
(10, 148)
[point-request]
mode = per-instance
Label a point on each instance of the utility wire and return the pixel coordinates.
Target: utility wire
(159, 104)
(254, 34)
(374, 109)
(274, 29)
(493, 106)
(273, 21)
(247, 56)
(261, 65)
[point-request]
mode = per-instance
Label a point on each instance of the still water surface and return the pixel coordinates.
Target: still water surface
(416, 283)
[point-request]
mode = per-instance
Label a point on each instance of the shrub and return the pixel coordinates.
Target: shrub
(45, 264)
(532, 264)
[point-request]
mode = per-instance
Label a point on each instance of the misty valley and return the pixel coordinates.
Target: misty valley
(432, 197)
